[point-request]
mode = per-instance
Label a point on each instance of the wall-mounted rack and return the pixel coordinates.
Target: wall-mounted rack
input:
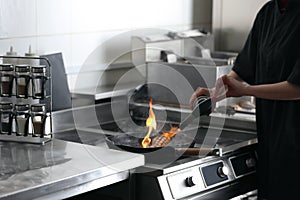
(25, 99)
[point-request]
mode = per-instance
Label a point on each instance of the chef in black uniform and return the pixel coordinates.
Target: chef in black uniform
(268, 68)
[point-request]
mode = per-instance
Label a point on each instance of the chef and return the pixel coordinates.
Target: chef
(268, 68)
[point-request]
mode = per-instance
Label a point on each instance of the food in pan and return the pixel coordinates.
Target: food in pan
(165, 138)
(160, 141)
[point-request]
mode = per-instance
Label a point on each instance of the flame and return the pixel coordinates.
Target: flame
(151, 124)
(172, 132)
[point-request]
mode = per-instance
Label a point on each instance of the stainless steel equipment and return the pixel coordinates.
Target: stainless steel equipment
(186, 58)
(226, 171)
(208, 177)
(148, 48)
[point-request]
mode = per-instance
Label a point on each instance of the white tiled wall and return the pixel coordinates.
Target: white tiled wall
(77, 27)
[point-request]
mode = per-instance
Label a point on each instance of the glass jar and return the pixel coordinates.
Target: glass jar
(22, 119)
(6, 79)
(38, 117)
(6, 115)
(22, 80)
(39, 79)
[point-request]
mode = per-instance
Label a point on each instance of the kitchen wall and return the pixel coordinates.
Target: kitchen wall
(77, 27)
(232, 21)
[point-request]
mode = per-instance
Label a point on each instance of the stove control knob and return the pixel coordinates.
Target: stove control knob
(189, 181)
(250, 162)
(223, 171)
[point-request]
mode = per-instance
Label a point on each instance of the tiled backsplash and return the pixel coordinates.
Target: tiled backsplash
(77, 27)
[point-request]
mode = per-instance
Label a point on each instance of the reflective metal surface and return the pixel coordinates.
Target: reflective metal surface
(29, 171)
(30, 140)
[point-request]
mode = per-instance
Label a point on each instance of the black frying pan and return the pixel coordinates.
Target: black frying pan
(131, 143)
(127, 142)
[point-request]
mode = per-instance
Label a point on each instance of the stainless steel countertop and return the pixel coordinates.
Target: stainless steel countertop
(60, 169)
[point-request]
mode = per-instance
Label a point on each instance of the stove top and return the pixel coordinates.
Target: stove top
(201, 136)
(219, 140)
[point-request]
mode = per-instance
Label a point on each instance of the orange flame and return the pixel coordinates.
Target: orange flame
(172, 132)
(151, 124)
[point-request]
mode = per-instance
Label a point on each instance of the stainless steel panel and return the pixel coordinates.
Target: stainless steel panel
(177, 183)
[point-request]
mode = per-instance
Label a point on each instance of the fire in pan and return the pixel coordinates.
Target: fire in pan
(129, 142)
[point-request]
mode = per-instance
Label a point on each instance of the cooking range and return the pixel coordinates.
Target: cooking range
(205, 160)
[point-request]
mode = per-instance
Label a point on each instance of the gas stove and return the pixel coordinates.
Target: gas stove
(226, 171)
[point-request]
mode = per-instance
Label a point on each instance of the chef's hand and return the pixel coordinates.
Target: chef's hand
(199, 92)
(228, 86)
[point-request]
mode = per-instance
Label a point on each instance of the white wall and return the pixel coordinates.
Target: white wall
(77, 27)
(232, 21)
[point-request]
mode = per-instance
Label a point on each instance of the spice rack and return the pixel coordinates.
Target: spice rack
(25, 100)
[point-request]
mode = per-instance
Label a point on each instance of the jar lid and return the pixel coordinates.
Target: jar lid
(38, 108)
(30, 53)
(38, 69)
(6, 105)
(11, 52)
(6, 67)
(22, 107)
(22, 68)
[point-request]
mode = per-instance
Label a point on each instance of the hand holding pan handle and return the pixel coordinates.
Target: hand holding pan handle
(202, 106)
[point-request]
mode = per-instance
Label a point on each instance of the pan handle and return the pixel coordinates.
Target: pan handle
(199, 151)
(202, 106)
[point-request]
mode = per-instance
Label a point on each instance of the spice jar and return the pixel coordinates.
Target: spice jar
(6, 115)
(22, 80)
(6, 79)
(22, 119)
(39, 79)
(38, 117)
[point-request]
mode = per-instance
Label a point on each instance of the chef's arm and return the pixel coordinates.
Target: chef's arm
(277, 91)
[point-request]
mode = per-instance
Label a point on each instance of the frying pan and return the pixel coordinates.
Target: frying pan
(131, 143)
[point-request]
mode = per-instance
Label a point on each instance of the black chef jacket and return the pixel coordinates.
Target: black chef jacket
(272, 54)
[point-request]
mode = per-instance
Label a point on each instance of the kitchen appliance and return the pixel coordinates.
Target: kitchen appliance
(205, 161)
(184, 58)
